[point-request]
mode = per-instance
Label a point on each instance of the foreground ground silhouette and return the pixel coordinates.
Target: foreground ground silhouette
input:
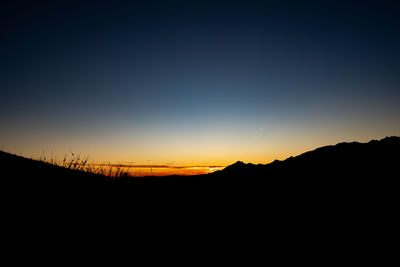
(344, 164)
(337, 193)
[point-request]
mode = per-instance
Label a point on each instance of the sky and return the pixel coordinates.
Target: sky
(196, 83)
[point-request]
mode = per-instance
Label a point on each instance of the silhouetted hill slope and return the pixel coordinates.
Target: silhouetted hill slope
(18, 170)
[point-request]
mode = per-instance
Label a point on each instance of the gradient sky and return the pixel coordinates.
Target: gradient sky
(196, 82)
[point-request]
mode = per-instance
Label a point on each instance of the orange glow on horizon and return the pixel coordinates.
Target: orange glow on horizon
(160, 170)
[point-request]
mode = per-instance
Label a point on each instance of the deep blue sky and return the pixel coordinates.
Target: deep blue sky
(207, 81)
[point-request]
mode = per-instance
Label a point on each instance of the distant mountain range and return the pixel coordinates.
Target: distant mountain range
(342, 160)
(351, 161)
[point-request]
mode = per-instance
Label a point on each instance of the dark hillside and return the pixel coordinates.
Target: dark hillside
(19, 170)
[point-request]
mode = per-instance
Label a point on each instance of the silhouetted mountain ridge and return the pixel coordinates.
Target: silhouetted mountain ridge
(345, 158)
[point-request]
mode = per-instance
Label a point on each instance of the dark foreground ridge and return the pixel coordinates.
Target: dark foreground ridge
(16, 169)
(330, 164)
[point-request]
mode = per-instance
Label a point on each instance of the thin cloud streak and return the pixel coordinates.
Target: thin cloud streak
(153, 166)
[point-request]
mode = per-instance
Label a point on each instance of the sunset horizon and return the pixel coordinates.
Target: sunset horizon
(147, 168)
(190, 87)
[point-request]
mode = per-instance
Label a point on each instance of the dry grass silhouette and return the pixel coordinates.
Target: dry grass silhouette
(78, 162)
